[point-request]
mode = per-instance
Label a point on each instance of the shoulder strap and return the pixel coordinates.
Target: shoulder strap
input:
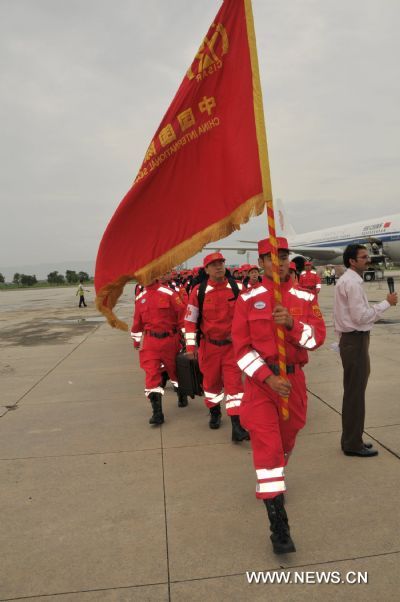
(234, 287)
(201, 293)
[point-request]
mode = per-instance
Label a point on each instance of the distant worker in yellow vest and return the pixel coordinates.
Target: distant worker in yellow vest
(81, 292)
(327, 275)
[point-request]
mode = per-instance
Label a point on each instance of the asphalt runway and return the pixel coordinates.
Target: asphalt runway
(97, 505)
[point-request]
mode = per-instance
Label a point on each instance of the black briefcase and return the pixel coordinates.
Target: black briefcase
(190, 379)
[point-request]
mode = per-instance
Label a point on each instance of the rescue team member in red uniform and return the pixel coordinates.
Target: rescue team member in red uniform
(309, 279)
(244, 270)
(216, 357)
(254, 276)
(254, 338)
(293, 273)
(158, 317)
(167, 281)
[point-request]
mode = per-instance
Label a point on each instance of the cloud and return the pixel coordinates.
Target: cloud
(85, 85)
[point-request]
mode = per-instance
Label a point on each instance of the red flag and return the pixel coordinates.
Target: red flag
(201, 176)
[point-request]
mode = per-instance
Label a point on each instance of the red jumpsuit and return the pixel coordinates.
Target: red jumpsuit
(180, 289)
(216, 357)
(254, 339)
(159, 314)
(310, 281)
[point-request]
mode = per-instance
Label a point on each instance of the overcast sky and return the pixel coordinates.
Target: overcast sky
(85, 83)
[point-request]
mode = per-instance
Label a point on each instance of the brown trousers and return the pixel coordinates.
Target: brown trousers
(354, 351)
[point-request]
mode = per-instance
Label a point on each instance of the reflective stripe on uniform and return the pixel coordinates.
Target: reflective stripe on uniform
(165, 290)
(307, 337)
(270, 480)
(258, 363)
(250, 362)
(271, 487)
(247, 359)
(214, 397)
(302, 294)
(155, 390)
(273, 473)
(233, 401)
(190, 338)
(254, 292)
(233, 404)
(235, 396)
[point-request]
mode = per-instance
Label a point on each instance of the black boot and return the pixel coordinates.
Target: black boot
(282, 543)
(215, 417)
(238, 432)
(182, 398)
(164, 378)
(156, 404)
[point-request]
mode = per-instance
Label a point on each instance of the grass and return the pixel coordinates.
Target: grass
(10, 286)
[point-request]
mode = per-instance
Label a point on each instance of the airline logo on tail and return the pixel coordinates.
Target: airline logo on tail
(374, 228)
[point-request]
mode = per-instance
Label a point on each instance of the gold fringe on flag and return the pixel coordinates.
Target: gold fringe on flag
(108, 295)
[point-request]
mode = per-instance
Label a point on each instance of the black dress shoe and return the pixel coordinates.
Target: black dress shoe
(362, 453)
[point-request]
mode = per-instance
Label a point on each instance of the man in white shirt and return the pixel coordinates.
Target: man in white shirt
(353, 319)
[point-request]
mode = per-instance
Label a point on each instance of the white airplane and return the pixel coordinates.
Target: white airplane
(326, 246)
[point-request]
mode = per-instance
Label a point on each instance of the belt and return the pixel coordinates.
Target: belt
(219, 343)
(275, 369)
(357, 332)
(159, 335)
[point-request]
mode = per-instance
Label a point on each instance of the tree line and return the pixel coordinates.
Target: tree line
(71, 277)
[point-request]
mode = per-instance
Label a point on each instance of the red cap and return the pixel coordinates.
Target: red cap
(253, 267)
(212, 257)
(245, 266)
(292, 266)
(264, 246)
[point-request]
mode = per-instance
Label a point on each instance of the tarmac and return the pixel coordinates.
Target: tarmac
(97, 505)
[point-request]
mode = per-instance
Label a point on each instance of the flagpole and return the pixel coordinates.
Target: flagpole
(267, 191)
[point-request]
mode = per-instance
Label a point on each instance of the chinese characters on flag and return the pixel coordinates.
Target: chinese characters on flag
(201, 176)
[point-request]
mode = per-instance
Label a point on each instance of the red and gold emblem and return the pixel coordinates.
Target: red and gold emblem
(316, 311)
(209, 56)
